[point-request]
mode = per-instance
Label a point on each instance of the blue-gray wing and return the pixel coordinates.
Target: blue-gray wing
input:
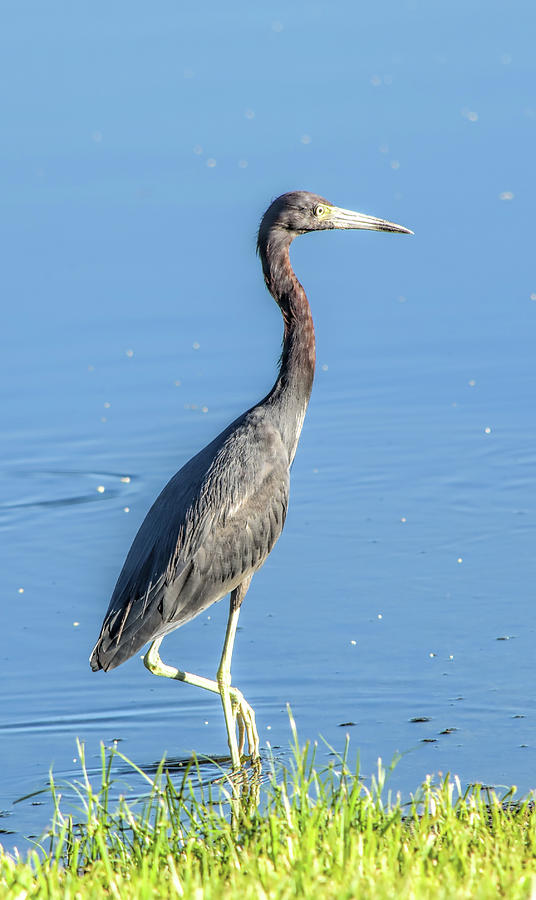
(212, 526)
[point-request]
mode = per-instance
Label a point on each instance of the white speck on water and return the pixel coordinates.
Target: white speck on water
(431, 655)
(460, 559)
(125, 479)
(383, 148)
(375, 81)
(395, 164)
(533, 296)
(325, 367)
(204, 409)
(211, 162)
(487, 430)
(380, 616)
(107, 405)
(195, 345)
(268, 728)
(76, 624)
(403, 519)
(129, 353)
(126, 509)
(305, 139)
(21, 591)
(506, 195)
(471, 382)
(469, 114)
(451, 656)
(205, 722)
(104, 419)
(353, 643)
(177, 383)
(101, 489)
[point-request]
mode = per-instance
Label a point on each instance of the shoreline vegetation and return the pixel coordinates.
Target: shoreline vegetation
(316, 832)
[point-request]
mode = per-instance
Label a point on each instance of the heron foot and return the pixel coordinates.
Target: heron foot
(244, 717)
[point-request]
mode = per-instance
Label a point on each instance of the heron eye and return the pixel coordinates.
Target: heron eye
(319, 211)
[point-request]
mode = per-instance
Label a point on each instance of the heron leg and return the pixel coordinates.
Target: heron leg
(240, 708)
(152, 661)
(235, 708)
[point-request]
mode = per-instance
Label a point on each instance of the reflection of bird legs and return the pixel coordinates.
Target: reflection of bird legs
(236, 709)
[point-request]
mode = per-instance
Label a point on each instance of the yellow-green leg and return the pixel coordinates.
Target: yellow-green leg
(236, 710)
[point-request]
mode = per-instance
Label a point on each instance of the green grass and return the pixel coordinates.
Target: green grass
(317, 834)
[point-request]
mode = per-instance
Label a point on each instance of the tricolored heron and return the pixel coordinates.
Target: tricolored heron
(216, 521)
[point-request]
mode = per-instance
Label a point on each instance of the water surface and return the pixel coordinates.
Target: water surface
(140, 149)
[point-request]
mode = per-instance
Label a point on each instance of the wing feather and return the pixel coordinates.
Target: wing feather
(213, 525)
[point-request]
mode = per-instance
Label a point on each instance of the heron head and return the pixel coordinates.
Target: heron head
(299, 211)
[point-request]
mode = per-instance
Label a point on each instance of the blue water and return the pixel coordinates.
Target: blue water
(140, 146)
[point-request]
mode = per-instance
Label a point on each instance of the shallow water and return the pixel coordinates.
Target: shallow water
(136, 326)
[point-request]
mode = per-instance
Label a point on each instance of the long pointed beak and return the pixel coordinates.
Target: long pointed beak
(346, 218)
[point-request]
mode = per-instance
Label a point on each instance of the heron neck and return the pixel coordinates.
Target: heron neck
(290, 394)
